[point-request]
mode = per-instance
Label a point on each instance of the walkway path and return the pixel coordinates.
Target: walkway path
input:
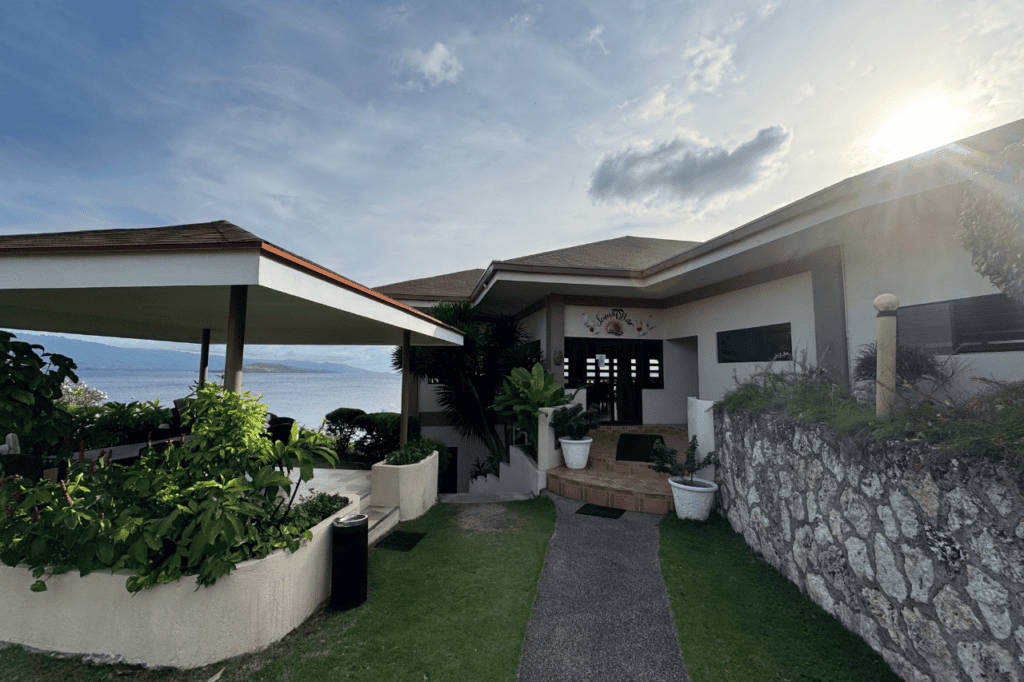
(602, 611)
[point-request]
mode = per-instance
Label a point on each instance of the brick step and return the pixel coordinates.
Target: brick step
(608, 489)
(606, 438)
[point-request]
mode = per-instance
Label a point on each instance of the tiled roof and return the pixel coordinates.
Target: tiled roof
(219, 232)
(621, 253)
(453, 286)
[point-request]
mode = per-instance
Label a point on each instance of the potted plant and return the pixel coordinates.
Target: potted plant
(522, 395)
(407, 478)
(692, 497)
(571, 425)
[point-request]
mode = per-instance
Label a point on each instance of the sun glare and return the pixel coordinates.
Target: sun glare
(919, 125)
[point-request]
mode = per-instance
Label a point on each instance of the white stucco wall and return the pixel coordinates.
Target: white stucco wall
(784, 300)
(535, 326)
(668, 405)
(917, 256)
(469, 450)
(176, 625)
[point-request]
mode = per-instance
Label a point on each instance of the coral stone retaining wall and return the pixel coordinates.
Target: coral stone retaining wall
(923, 559)
(176, 625)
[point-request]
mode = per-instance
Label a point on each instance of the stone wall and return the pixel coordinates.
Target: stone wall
(923, 558)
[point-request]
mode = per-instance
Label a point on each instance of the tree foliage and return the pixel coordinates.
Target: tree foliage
(991, 220)
(471, 375)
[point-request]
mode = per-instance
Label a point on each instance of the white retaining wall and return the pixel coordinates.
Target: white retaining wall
(260, 602)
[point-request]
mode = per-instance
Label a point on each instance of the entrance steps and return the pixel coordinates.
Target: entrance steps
(381, 520)
(632, 486)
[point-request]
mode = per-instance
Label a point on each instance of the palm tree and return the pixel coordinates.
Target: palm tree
(470, 375)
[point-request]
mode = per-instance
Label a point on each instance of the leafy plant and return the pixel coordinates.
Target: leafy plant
(524, 393)
(116, 423)
(666, 460)
(914, 368)
(469, 376)
(574, 422)
(320, 506)
(418, 450)
(383, 433)
(196, 509)
(341, 425)
(30, 388)
(992, 221)
(482, 468)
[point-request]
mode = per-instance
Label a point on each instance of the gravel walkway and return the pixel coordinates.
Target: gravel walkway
(602, 611)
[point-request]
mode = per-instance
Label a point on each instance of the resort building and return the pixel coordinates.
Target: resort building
(645, 323)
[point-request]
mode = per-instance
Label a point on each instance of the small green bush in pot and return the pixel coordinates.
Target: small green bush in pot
(524, 393)
(665, 461)
(418, 450)
(574, 422)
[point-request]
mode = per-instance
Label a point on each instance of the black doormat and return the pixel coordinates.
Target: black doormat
(597, 510)
(401, 540)
(636, 447)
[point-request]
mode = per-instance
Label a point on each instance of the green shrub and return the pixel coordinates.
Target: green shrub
(418, 450)
(309, 513)
(574, 422)
(381, 431)
(30, 391)
(194, 509)
(341, 425)
(115, 423)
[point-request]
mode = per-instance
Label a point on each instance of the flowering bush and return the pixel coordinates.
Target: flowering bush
(195, 509)
(80, 395)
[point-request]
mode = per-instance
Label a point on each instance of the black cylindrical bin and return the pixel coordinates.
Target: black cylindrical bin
(349, 536)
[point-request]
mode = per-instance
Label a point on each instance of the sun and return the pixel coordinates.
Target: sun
(919, 125)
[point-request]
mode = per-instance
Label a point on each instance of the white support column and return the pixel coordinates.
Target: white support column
(236, 337)
(407, 388)
(204, 359)
(885, 349)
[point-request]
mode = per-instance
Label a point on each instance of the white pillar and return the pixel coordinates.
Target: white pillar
(236, 337)
(885, 347)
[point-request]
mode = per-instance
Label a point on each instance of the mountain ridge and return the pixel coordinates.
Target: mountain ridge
(92, 356)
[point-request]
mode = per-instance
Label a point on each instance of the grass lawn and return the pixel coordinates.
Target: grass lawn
(454, 608)
(739, 619)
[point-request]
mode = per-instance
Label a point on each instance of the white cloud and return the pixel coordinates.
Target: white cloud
(681, 170)
(437, 65)
(595, 38)
(858, 68)
(768, 8)
(710, 62)
(804, 92)
(521, 22)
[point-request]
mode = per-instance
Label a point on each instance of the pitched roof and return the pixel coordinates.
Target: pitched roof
(216, 233)
(455, 286)
(621, 253)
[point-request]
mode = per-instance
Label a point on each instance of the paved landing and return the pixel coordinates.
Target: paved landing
(602, 611)
(349, 482)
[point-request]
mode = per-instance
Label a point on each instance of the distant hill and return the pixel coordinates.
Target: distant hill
(89, 355)
(275, 368)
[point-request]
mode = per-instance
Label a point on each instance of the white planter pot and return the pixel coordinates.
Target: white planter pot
(410, 487)
(576, 452)
(693, 501)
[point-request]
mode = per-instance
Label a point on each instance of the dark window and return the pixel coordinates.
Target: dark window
(980, 324)
(755, 344)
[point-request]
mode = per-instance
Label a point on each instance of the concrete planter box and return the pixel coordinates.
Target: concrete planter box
(257, 604)
(410, 487)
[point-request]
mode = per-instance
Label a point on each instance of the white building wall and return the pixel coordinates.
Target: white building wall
(469, 450)
(668, 405)
(535, 326)
(917, 257)
(784, 300)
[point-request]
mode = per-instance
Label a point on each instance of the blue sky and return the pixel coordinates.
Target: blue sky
(395, 140)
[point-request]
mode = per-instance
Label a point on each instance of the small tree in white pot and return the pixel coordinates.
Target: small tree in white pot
(692, 497)
(571, 426)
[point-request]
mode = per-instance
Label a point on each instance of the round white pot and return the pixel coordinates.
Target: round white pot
(576, 452)
(693, 501)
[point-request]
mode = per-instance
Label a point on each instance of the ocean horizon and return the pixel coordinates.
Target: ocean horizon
(303, 397)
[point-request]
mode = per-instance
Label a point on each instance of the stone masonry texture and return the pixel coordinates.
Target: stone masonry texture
(922, 556)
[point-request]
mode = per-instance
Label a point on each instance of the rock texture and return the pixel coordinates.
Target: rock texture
(925, 561)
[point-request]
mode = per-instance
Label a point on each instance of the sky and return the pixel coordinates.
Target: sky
(396, 140)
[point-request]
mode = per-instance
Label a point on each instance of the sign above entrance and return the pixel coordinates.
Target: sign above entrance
(617, 322)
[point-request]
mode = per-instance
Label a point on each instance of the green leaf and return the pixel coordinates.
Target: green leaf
(38, 586)
(105, 551)
(23, 396)
(152, 541)
(138, 552)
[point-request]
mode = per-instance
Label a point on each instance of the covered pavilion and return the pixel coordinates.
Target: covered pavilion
(200, 283)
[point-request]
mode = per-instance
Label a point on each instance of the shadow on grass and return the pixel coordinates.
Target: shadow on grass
(454, 608)
(739, 619)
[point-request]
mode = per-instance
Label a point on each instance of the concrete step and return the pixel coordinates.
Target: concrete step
(381, 521)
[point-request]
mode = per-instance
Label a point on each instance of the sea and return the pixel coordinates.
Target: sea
(306, 398)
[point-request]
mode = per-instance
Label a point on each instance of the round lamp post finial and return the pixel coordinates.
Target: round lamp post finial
(886, 302)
